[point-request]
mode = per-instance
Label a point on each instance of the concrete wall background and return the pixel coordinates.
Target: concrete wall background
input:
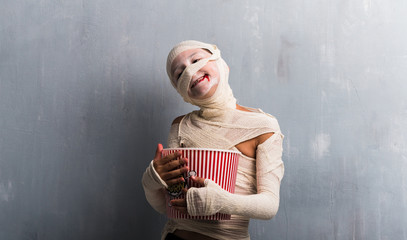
(84, 99)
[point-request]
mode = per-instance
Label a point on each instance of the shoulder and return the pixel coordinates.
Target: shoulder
(268, 121)
(177, 120)
(265, 119)
(257, 118)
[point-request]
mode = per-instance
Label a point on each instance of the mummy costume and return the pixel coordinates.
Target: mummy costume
(218, 124)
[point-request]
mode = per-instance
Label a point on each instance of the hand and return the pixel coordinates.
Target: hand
(181, 204)
(170, 168)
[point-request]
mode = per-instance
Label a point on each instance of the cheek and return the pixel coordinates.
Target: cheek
(213, 70)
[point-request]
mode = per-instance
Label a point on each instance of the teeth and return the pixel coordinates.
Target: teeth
(197, 81)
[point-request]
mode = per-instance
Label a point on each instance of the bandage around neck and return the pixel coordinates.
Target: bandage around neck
(222, 98)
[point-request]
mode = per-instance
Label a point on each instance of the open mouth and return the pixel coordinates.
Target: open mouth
(200, 80)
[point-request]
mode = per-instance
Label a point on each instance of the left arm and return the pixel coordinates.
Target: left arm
(212, 198)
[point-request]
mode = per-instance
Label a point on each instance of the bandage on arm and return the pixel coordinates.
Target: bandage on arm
(154, 189)
(154, 186)
(212, 198)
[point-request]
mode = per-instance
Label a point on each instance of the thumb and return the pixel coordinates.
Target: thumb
(198, 180)
(158, 152)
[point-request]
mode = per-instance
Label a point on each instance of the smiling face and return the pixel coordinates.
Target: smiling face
(205, 81)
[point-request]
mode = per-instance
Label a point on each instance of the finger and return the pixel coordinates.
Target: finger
(170, 157)
(198, 180)
(158, 152)
(179, 202)
(169, 166)
(174, 181)
(166, 164)
(174, 174)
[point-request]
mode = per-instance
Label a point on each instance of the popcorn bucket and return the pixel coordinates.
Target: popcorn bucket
(217, 165)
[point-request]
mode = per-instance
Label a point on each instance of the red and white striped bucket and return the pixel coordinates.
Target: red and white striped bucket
(217, 165)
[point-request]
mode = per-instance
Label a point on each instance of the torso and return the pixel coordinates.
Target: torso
(247, 148)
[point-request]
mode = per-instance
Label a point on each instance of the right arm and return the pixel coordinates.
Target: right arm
(161, 173)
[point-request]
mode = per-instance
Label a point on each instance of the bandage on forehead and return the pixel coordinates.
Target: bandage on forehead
(186, 45)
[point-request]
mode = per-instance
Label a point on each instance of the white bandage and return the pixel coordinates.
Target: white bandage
(218, 124)
(154, 187)
(223, 96)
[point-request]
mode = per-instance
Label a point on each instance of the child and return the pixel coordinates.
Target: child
(200, 75)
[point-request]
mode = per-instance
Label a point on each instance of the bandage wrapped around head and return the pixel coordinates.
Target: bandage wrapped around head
(223, 97)
(218, 124)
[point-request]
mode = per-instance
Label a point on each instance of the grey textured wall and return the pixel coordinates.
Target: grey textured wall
(84, 99)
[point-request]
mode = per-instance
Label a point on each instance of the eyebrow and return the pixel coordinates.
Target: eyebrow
(180, 64)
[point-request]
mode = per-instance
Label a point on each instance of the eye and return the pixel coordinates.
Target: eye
(178, 74)
(196, 60)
